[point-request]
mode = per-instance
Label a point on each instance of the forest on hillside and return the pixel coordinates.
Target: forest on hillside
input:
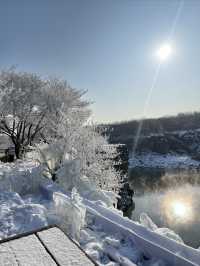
(126, 129)
(161, 135)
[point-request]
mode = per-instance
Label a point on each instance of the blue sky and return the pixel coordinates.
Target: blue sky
(108, 47)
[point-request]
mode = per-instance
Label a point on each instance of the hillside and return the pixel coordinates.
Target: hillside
(179, 135)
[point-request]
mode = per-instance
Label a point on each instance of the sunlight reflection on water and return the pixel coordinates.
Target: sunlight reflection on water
(177, 209)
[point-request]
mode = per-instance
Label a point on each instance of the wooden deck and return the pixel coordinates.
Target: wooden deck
(47, 247)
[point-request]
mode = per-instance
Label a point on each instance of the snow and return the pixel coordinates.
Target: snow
(102, 231)
(21, 177)
(71, 212)
(162, 161)
(17, 217)
(104, 248)
(69, 176)
(146, 221)
(152, 245)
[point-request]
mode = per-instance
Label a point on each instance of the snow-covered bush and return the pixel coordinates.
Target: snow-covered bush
(50, 156)
(69, 177)
(81, 140)
(80, 151)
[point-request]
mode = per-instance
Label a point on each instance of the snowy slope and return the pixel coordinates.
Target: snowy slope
(128, 239)
(105, 234)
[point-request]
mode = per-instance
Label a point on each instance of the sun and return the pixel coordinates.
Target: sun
(164, 51)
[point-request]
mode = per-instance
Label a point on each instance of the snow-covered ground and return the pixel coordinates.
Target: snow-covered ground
(163, 161)
(101, 230)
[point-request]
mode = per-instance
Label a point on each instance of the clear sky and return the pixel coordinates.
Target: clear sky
(108, 47)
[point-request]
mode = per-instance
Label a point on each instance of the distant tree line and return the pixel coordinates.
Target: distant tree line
(125, 131)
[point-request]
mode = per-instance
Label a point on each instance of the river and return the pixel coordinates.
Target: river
(170, 198)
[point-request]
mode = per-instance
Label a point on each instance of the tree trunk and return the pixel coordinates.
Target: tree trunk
(54, 177)
(18, 150)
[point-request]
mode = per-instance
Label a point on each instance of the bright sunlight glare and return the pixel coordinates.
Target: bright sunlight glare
(164, 52)
(179, 209)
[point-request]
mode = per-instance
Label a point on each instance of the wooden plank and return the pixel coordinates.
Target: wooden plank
(25, 251)
(7, 257)
(26, 233)
(66, 252)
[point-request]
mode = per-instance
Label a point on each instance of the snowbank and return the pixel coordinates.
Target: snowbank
(152, 245)
(18, 217)
(71, 213)
(152, 160)
(101, 230)
(146, 221)
(110, 236)
(22, 177)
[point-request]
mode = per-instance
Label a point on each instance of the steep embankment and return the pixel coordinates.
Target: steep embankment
(177, 149)
(169, 150)
(178, 135)
(178, 142)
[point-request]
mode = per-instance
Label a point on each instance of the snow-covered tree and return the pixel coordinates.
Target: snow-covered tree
(30, 105)
(81, 141)
(34, 109)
